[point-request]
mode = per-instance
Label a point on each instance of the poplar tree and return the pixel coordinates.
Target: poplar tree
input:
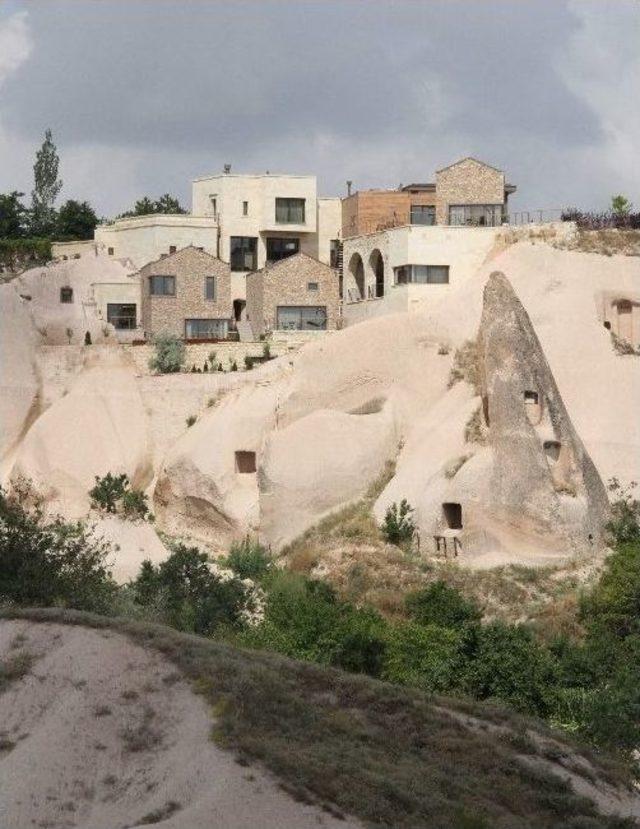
(47, 185)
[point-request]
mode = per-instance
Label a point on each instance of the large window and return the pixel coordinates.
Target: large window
(290, 211)
(210, 287)
(66, 295)
(423, 214)
(281, 248)
(478, 215)
(121, 315)
(162, 285)
(421, 275)
(244, 253)
(205, 329)
(302, 318)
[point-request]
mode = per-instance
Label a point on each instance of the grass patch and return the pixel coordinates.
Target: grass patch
(394, 757)
(15, 667)
(145, 736)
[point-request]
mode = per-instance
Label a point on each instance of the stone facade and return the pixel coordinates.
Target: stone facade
(467, 182)
(190, 267)
(286, 284)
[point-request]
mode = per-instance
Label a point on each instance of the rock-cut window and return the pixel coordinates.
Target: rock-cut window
(66, 295)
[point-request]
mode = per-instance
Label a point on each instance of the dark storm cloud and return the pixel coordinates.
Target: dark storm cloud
(189, 75)
(380, 91)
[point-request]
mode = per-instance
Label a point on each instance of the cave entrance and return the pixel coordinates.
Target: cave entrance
(452, 513)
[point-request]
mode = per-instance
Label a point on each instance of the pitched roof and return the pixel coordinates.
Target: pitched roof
(171, 256)
(469, 158)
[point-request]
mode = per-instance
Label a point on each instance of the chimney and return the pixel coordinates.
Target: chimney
(349, 183)
(226, 169)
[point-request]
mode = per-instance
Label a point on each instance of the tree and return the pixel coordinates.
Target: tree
(13, 216)
(146, 206)
(47, 185)
(76, 220)
(620, 205)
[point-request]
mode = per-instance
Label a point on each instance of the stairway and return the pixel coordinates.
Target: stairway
(245, 332)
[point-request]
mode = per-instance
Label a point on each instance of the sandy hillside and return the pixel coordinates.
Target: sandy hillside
(101, 734)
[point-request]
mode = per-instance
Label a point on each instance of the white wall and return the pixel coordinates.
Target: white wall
(144, 239)
(463, 249)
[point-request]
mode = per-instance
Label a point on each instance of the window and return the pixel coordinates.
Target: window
(244, 253)
(245, 462)
(245, 208)
(452, 515)
(489, 215)
(552, 451)
(312, 286)
(290, 211)
(302, 317)
(205, 329)
(423, 214)
(162, 285)
(214, 206)
(172, 249)
(531, 398)
(121, 316)
(334, 253)
(422, 275)
(281, 248)
(66, 295)
(110, 251)
(210, 287)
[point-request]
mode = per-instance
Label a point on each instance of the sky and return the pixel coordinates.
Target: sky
(143, 96)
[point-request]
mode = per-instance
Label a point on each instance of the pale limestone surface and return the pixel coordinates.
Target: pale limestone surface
(70, 765)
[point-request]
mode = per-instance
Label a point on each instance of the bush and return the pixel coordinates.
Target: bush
(398, 526)
(440, 604)
(169, 356)
(233, 366)
(248, 362)
(466, 365)
(134, 504)
(190, 420)
(46, 561)
(507, 664)
(266, 351)
(187, 593)
(624, 525)
(427, 657)
(113, 494)
(249, 559)
(108, 491)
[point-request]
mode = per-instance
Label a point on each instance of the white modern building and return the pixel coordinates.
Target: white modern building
(406, 268)
(246, 220)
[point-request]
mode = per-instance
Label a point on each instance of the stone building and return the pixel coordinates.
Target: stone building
(468, 192)
(295, 294)
(188, 294)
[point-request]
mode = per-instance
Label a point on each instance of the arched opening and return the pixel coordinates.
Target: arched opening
(533, 406)
(356, 269)
(377, 266)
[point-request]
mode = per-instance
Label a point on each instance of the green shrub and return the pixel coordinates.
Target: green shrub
(186, 593)
(398, 526)
(47, 561)
(191, 420)
(427, 657)
(205, 366)
(440, 604)
(134, 504)
(248, 362)
(508, 665)
(108, 491)
(624, 525)
(266, 351)
(249, 559)
(212, 359)
(170, 354)
(233, 365)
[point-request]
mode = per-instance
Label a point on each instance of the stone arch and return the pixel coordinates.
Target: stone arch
(356, 269)
(376, 263)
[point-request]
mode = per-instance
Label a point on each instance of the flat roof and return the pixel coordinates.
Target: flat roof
(251, 175)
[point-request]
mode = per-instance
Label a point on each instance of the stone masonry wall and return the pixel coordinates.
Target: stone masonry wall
(190, 266)
(286, 283)
(467, 182)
